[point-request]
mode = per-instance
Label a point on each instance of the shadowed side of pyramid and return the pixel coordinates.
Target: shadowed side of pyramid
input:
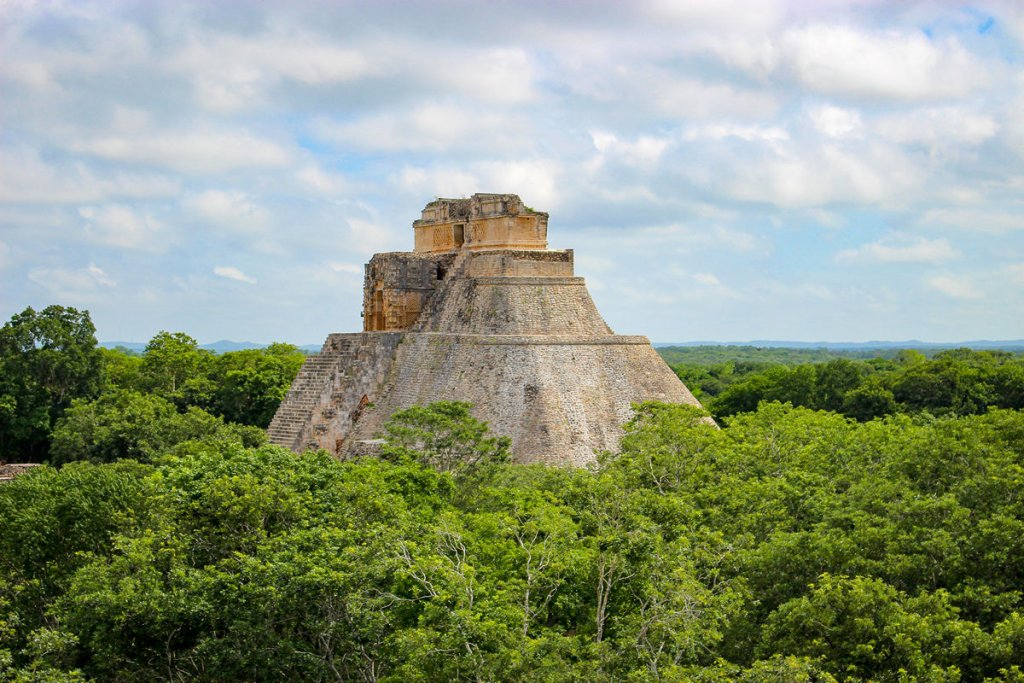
(481, 312)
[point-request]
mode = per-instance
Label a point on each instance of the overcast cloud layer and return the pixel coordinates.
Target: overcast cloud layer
(724, 169)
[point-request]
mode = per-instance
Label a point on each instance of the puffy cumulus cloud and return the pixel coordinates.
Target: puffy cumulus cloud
(836, 122)
(192, 152)
(772, 135)
(367, 236)
(499, 75)
(807, 176)
(932, 126)
(118, 225)
(434, 127)
(896, 64)
(535, 180)
(961, 287)
(323, 182)
(643, 151)
(232, 273)
(72, 284)
(26, 177)
(231, 210)
(229, 72)
(676, 96)
(717, 15)
(902, 249)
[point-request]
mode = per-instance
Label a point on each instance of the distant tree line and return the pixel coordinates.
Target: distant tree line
(957, 381)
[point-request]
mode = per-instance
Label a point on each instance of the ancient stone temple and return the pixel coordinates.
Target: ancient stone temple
(481, 311)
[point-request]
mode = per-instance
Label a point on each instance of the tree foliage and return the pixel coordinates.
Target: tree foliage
(790, 545)
(956, 381)
(47, 359)
(119, 400)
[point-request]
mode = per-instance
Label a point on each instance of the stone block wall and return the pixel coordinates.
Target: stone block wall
(331, 390)
(511, 330)
(560, 399)
(484, 221)
(398, 286)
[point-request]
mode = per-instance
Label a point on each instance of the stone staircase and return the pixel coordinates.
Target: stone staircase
(328, 393)
(315, 379)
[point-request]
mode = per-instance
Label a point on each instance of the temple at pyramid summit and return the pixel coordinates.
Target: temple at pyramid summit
(480, 311)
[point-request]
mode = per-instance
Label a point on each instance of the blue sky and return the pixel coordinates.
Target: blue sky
(724, 169)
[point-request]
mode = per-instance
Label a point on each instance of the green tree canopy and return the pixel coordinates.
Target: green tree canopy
(47, 359)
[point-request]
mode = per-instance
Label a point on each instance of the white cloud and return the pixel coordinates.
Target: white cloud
(5, 256)
(891, 64)
(976, 220)
(232, 273)
(324, 182)
(536, 180)
(118, 225)
(232, 210)
(26, 178)
(434, 127)
(72, 284)
(718, 15)
(690, 98)
(836, 122)
(773, 135)
(347, 268)
(644, 151)
(190, 152)
(369, 236)
(938, 125)
(956, 287)
(707, 279)
(753, 54)
(816, 176)
(502, 75)
(1016, 273)
(230, 72)
(901, 249)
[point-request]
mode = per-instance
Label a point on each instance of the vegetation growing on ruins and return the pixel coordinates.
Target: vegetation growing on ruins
(790, 545)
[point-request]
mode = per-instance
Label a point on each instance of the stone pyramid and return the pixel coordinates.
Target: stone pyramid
(481, 311)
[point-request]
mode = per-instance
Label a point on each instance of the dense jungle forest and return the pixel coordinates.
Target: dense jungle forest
(852, 519)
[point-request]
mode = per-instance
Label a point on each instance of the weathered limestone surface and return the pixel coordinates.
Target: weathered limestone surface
(559, 398)
(9, 471)
(484, 221)
(509, 329)
(327, 396)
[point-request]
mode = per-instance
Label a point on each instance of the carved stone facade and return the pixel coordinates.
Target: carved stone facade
(508, 328)
(484, 221)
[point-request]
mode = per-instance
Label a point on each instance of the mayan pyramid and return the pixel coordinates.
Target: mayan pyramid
(481, 311)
